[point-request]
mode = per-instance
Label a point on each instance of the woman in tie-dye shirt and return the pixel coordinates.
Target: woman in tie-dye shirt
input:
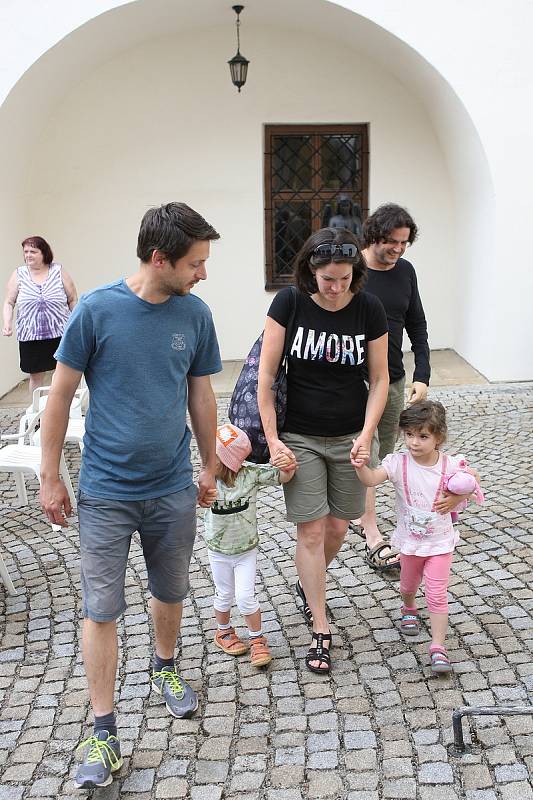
(44, 295)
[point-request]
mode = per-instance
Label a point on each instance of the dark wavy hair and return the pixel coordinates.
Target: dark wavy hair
(304, 271)
(40, 244)
(379, 225)
(428, 414)
(172, 229)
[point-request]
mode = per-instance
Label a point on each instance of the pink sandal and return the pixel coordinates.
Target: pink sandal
(229, 642)
(439, 659)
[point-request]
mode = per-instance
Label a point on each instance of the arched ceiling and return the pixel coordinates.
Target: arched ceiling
(127, 25)
(130, 24)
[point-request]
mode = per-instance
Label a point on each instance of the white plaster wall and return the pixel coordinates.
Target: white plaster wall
(13, 220)
(483, 50)
(474, 56)
(140, 131)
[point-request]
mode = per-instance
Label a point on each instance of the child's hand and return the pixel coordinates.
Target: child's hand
(211, 496)
(359, 455)
(207, 489)
(284, 459)
(289, 470)
(286, 474)
(447, 502)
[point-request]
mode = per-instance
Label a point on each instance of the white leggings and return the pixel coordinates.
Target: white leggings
(234, 578)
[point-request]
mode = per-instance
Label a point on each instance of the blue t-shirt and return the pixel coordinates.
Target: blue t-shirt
(136, 357)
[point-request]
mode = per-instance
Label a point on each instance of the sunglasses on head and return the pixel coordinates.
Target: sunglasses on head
(334, 251)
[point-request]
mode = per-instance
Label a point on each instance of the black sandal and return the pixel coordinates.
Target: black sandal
(320, 654)
(356, 528)
(306, 611)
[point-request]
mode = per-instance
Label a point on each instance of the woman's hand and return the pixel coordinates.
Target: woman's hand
(360, 452)
(281, 456)
(7, 330)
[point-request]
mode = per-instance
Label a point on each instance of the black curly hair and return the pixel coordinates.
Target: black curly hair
(379, 225)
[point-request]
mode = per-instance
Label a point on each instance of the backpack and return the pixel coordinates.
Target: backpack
(243, 409)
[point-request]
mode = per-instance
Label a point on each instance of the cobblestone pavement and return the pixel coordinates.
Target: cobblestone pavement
(379, 727)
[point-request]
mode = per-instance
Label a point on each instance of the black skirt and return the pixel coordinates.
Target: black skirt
(38, 356)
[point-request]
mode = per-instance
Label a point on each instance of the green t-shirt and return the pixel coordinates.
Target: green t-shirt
(231, 522)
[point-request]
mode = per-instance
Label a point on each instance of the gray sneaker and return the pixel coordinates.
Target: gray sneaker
(180, 699)
(102, 758)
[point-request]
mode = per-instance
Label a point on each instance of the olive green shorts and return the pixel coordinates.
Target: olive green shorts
(325, 481)
(388, 424)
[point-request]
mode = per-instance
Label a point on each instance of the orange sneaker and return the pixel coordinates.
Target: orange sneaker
(229, 642)
(259, 652)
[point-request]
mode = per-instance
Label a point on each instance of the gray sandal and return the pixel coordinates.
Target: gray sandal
(440, 662)
(409, 624)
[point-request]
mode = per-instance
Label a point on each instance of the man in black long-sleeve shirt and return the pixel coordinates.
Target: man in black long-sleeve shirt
(387, 233)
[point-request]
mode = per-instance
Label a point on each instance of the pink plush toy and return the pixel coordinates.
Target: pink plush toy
(462, 482)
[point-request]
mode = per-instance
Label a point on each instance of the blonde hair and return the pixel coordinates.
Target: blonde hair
(226, 475)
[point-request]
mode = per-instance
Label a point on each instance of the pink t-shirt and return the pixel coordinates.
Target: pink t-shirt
(419, 530)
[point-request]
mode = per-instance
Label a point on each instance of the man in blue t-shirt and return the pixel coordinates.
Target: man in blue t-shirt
(147, 348)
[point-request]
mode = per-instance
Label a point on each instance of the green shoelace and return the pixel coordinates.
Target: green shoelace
(99, 750)
(176, 687)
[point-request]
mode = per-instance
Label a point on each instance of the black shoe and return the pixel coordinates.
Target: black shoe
(306, 611)
(320, 654)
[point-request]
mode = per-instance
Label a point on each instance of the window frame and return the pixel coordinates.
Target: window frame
(316, 197)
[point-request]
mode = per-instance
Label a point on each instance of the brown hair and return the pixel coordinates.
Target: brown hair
(428, 414)
(40, 244)
(304, 271)
(172, 228)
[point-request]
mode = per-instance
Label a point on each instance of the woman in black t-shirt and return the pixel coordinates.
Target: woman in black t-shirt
(339, 334)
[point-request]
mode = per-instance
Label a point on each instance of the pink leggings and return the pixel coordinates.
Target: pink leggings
(435, 570)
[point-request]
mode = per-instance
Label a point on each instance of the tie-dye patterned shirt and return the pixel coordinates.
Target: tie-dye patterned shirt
(230, 525)
(42, 309)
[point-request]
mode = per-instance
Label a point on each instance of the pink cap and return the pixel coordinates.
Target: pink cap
(233, 446)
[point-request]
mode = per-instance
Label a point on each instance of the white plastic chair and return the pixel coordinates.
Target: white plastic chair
(20, 459)
(78, 409)
(76, 421)
(6, 577)
(26, 458)
(38, 402)
(75, 431)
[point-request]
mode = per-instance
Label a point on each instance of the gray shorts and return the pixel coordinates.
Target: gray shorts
(388, 424)
(167, 527)
(325, 481)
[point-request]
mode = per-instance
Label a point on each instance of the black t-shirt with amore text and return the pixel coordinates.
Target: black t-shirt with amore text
(326, 362)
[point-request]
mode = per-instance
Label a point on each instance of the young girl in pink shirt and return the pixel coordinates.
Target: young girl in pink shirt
(424, 532)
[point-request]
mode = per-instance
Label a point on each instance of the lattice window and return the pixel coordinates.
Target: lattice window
(306, 168)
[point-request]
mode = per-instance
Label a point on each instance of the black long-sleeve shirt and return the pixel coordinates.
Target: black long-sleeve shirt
(397, 289)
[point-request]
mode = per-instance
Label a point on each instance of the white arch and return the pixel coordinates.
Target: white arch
(47, 55)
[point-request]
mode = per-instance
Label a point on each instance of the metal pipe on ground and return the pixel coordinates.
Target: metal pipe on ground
(460, 748)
